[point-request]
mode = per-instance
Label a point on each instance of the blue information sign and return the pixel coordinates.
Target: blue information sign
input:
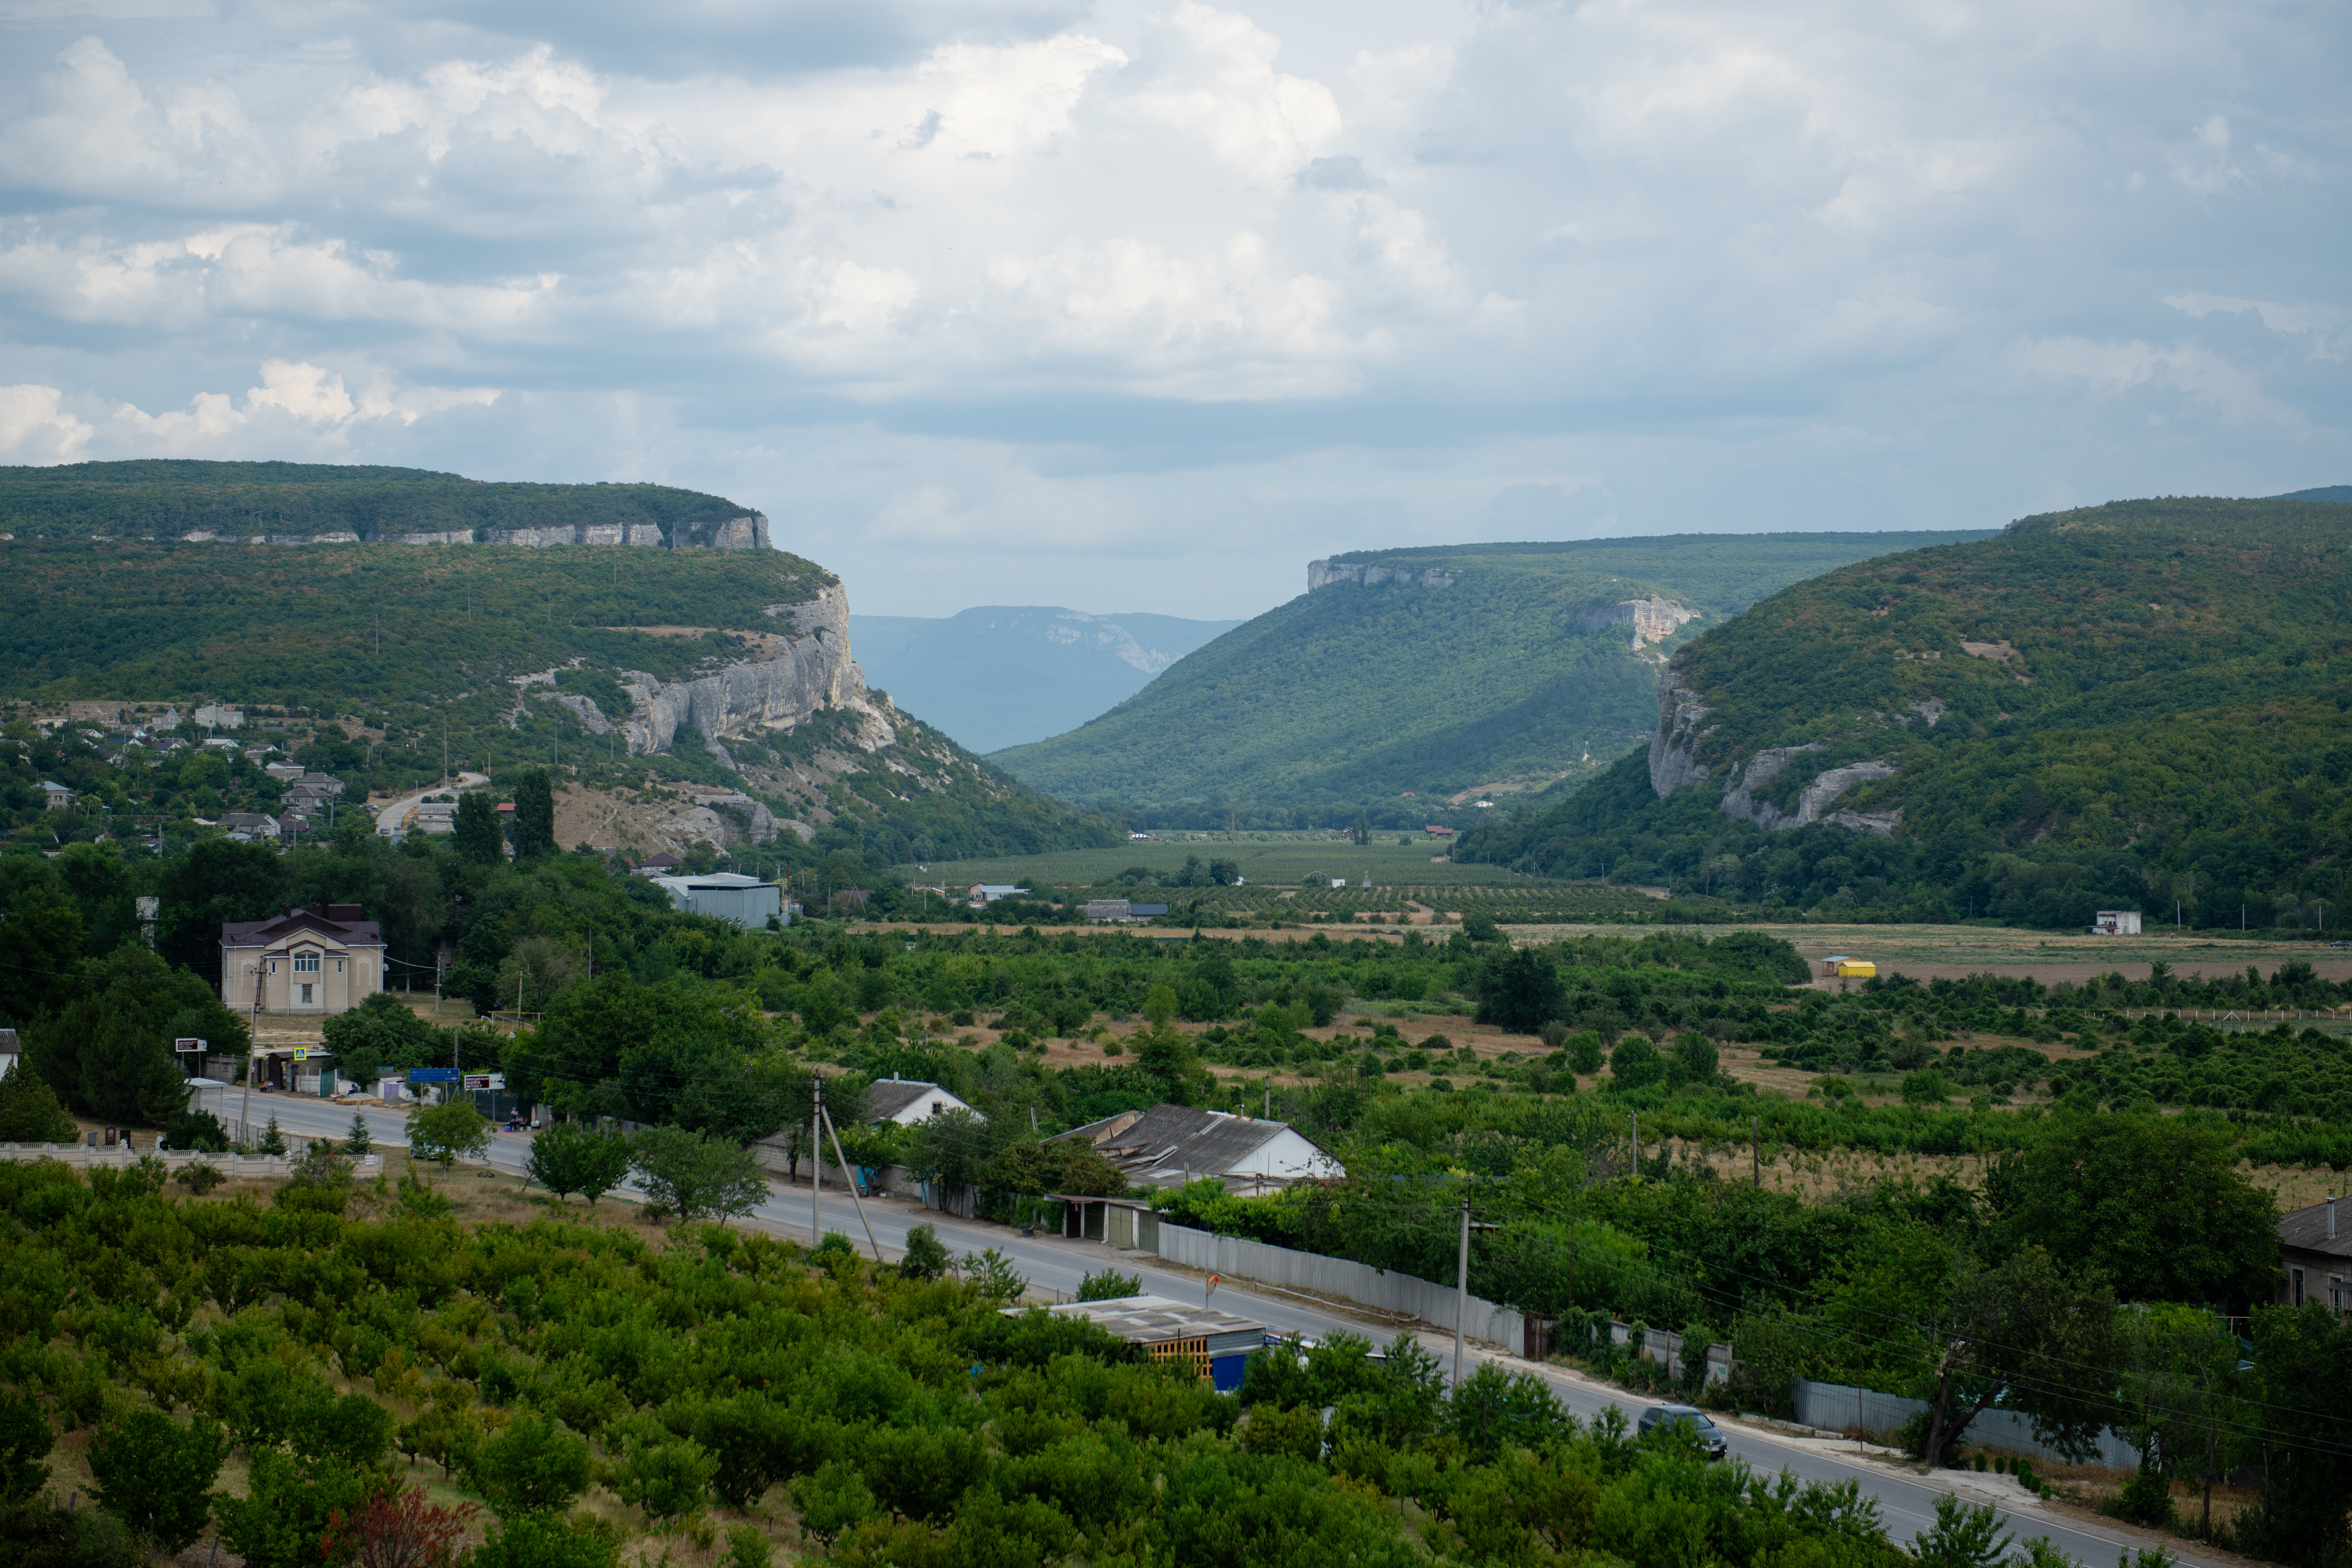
(432, 1075)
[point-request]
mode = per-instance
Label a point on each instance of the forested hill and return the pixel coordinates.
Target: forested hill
(168, 498)
(376, 662)
(2114, 707)
(1474, 668)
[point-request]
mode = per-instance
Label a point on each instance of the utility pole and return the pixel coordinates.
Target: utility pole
(1756, 1148)
(855, 1196)
(1462, 1291)
(816, 1157)
(1634, 1118)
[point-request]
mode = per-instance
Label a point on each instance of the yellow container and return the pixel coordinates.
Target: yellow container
(1857, 970)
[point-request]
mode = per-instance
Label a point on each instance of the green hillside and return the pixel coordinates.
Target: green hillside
(167, 496)
(1391, 698)
(2154, 707)
(375, 661)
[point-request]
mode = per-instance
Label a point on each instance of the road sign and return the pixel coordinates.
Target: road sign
(485, 1080)
(187, 1043)
(301, 1052)
(432, 1075)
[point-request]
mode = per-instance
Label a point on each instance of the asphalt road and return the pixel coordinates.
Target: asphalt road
(1052, 1264)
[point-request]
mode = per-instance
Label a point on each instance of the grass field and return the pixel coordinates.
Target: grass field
(1266, 860)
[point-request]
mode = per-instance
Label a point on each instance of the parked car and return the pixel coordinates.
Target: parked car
(1710, 1435)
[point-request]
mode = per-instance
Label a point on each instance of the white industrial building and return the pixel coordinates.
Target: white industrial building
(747, 901)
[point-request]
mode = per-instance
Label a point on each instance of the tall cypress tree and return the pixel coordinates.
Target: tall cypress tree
(534, 824)
(478, 836)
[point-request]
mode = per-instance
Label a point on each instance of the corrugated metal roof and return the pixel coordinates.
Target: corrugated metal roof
(887, 1098)
(1179, 1138)
(1156, 1320)
(2305, 1230)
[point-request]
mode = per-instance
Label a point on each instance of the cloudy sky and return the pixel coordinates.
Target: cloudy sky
(1139, 306)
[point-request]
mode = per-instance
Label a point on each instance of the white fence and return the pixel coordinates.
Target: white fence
(82, 1156)
(1834, 1408)
(1399, 1294)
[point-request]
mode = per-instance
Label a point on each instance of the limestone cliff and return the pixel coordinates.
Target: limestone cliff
(796, 674)
(1675, 765)
(1741, 804)
(1654, 619)
(1673, 747)
(748, 532)
(1323, 573)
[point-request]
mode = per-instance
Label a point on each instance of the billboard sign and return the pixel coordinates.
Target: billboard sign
(432, 1075)
(485, 1080)
(188, 1043)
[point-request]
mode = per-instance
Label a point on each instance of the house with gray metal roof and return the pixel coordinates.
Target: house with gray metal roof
(1171, 1144)
(2315, 1255)
(905, 1102)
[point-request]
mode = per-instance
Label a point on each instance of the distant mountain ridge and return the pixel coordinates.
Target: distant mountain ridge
(1000, 675)
(2143, 705)
(1404, 680)
(198, 502)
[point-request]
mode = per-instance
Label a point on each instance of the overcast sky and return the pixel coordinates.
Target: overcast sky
(1139, 307)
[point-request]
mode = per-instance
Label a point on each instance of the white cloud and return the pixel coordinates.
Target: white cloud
(2236, 395)
(2322, 324)
(1083, 277)
(34, 428)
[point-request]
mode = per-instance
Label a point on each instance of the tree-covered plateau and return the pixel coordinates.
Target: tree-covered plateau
(2138, 706)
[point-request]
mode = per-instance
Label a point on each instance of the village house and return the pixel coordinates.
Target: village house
(2316, 1256)
(301, 962)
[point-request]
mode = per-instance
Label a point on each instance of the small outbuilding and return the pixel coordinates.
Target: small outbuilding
(2115, 923)
(1218, 1342)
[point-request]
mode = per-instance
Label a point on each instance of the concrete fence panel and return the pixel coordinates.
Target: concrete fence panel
(1339, 1278)
(1834, 1408)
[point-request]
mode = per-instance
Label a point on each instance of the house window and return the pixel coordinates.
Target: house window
(339, 966)
(306, 964)
(273, 966)
(2298, 1288)
(305, 995)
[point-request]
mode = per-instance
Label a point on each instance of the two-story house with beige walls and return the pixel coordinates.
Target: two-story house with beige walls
(301, 962)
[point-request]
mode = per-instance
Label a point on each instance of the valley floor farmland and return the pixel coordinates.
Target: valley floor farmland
(1265, 860)
(1951, 951)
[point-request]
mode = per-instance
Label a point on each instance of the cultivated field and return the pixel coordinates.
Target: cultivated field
(1265, 860)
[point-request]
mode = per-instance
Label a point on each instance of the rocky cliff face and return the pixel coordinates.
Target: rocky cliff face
(1741, 804)
(749, 532)
(1675, 765)
(797, 673)
(1654, 620)
(1674, 748)
(1323, 573)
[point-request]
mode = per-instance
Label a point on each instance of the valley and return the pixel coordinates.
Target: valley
(1403, 682)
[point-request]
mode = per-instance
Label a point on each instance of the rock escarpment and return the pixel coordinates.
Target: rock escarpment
(1323, 573)
(1675, 764)
(1654, 619)
(1674, 748)
(748, 532)
(1741, 803)
(801, 672)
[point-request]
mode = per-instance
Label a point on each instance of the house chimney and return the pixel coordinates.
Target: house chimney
(2331, 1219)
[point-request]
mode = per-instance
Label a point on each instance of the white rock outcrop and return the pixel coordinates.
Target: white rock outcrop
(800, 674)
(1674, 748)
(1323, 573)
(1654, 619)
(1741, 804)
